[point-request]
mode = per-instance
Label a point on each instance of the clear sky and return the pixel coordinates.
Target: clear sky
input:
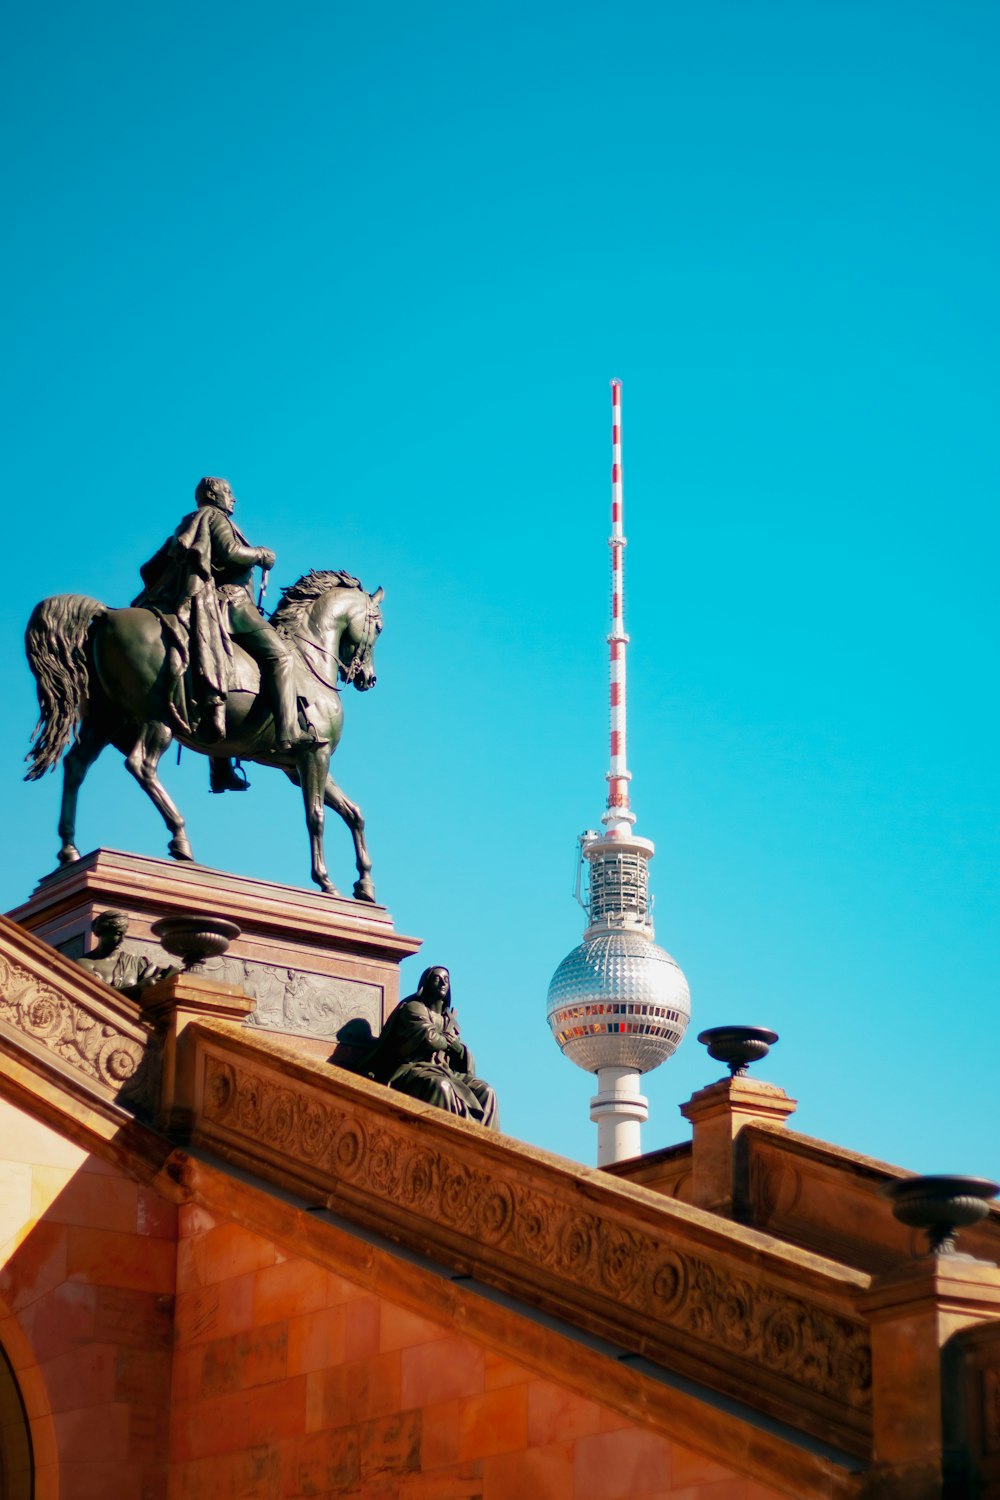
(377, 264)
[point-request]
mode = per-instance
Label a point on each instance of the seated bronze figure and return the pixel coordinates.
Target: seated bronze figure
(421, 1053)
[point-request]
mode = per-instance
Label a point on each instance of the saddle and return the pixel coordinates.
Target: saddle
(239, 673)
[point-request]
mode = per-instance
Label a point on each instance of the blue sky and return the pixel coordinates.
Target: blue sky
(377, 265)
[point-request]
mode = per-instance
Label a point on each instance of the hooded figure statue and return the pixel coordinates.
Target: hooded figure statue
(421, 1053)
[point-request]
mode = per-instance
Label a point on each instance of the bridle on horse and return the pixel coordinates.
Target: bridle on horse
(372, 616)
(361, 650)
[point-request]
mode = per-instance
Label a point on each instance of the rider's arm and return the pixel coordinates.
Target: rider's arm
(227, 551)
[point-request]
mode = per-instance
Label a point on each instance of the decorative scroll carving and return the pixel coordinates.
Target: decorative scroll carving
(630, 1267)
(89, 1040)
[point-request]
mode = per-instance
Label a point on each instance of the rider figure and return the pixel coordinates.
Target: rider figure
(202, 574)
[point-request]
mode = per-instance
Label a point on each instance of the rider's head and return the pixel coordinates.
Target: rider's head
(209, 491)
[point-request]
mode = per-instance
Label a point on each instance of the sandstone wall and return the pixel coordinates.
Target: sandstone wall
(87, 1270)
(292, 1381)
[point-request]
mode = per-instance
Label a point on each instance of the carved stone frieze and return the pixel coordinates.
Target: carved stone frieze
(595, 1258)
(302, 1004)
(288, 1000)
(91, 1041)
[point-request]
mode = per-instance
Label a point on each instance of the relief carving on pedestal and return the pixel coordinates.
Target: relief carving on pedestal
(292, 1001)
(630, 1266)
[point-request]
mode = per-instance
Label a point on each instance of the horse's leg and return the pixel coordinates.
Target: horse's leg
(311, 764)
(351, 813)
(142, 761)
(76, 763)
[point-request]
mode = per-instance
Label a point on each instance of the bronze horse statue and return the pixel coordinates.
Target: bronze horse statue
(103, 673)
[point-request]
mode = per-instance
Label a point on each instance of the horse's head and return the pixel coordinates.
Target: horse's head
(357, 641)
(330, 614)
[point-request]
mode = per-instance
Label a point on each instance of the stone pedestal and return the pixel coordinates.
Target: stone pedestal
(309, 963)
(914, 1312)
(718, 1114)
(169, 1005)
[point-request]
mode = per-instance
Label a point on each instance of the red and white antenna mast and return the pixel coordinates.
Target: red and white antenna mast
(619, 817)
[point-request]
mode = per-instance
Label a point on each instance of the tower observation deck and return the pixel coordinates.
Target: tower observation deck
(618, 1005)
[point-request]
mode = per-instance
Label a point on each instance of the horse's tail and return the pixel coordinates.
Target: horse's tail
(56, 641)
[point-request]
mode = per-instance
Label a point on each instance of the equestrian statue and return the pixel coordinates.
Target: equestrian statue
(194, 659)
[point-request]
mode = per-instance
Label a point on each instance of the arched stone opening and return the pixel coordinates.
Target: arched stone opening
(16, 1465)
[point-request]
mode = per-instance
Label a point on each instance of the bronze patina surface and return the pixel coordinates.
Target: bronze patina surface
(421, 1053)
(195, 660)
(110, 960)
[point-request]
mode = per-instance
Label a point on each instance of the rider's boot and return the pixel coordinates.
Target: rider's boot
(224, 777)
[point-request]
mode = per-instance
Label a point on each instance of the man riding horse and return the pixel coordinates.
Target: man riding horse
(198, 583)
(194, 661)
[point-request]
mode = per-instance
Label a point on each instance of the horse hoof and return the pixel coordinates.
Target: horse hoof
(68, 855)
(180, 849)
(364, 890)
(328, 888)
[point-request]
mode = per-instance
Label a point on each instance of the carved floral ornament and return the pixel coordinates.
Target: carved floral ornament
(89, 1041)
(787, 1335)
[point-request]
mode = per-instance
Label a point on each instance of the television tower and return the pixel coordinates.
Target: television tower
(618, 1005)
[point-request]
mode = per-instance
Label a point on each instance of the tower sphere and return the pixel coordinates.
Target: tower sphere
(618, 1001)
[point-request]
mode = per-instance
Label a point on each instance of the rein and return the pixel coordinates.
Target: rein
(367, 641)
(304, 640)
(361, 650)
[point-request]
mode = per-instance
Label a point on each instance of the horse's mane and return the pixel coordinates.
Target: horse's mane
(296, 599)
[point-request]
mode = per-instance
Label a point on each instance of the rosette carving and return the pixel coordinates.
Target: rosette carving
(782, 1336)
(576, 1244)
(349, 1148)
(47, 1017)
(620, 1260)
(734, 1315)
(281, 1122)
(383, 1170)
(670, 1284)
(313, 1131)
(533, 1228)
(417, 1184)
(118, 1060)
(495, 1212)
(249, 1105)
(457, 1195)
(220, 1087)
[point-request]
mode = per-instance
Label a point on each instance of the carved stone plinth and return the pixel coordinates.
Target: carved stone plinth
(718, 1114)
(914, 1312)
(168, 1007)
(310, 963)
